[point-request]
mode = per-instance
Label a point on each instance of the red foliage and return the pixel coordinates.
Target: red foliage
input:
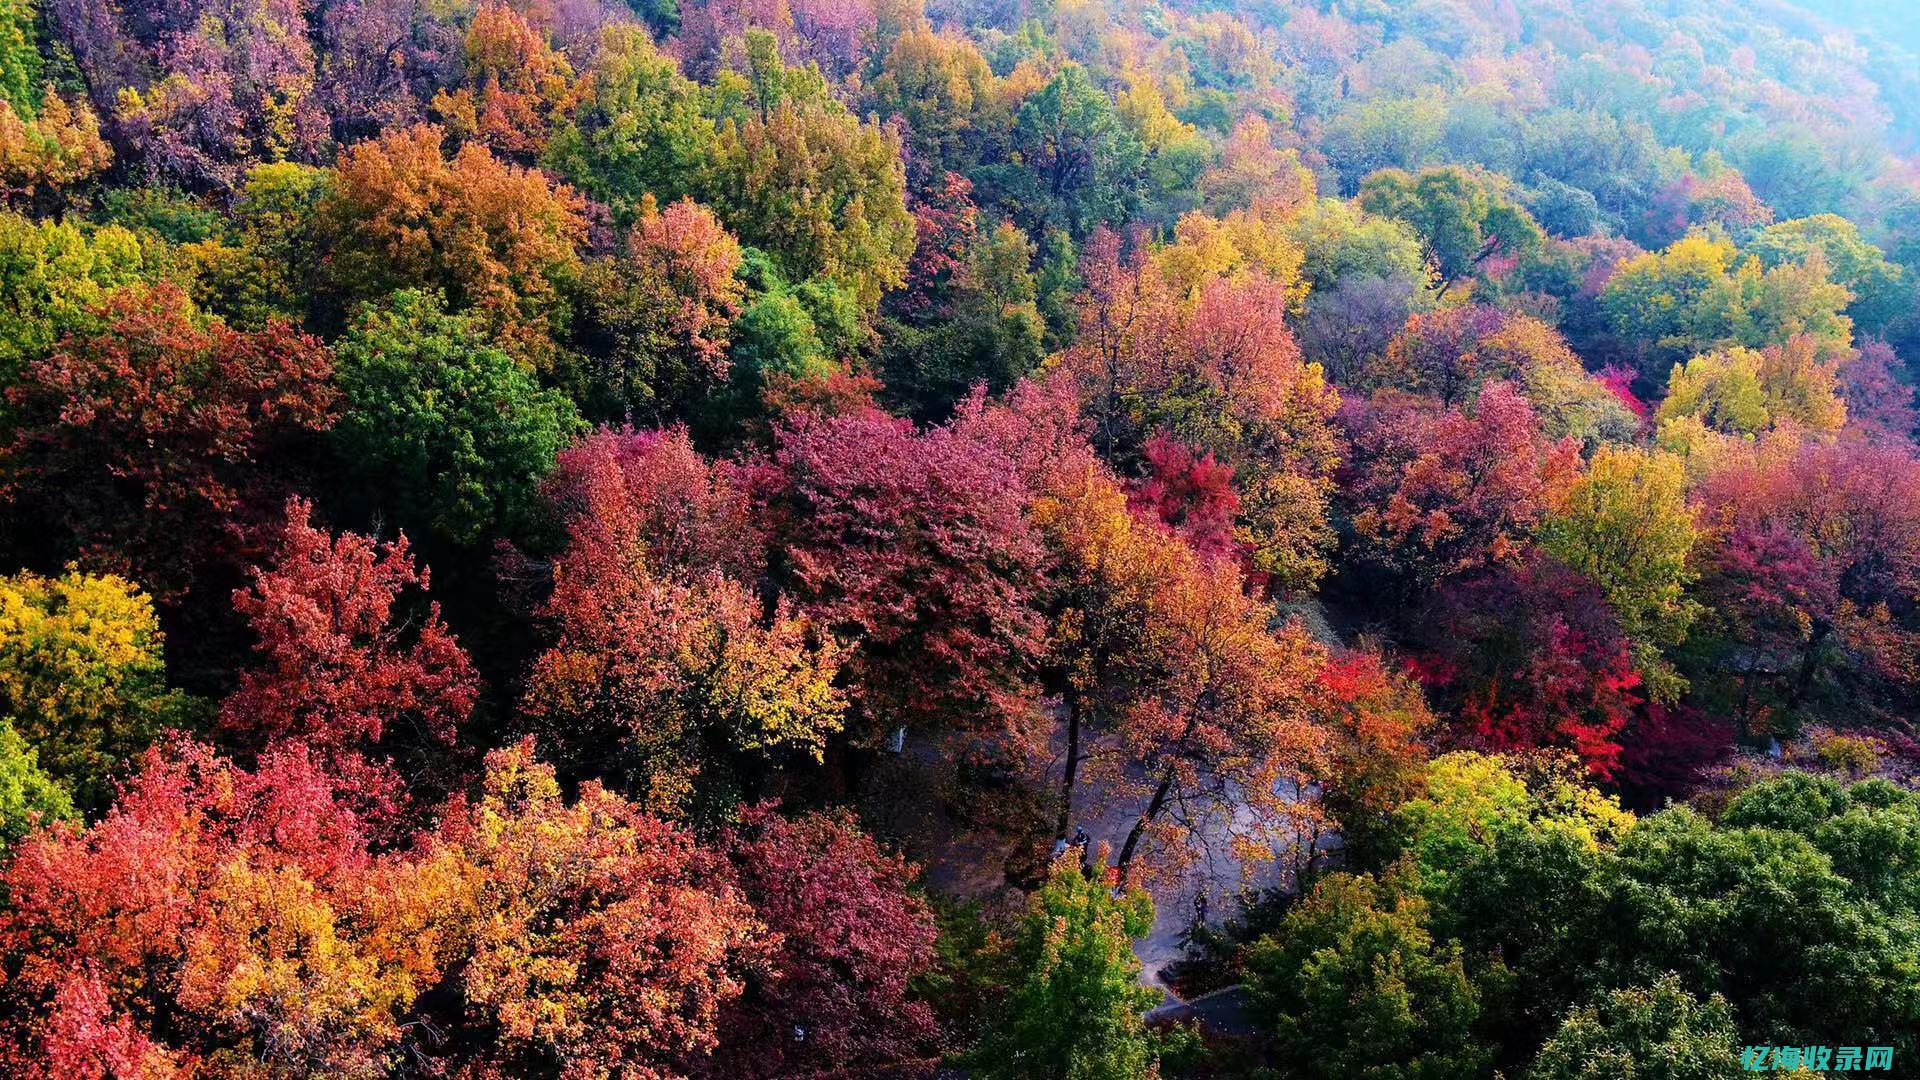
(1436, 493)
(1037, 424)
(1376, 718)
(208, 893)
(1529, 656)
(1879, 402)
(851, 937)
(143, 436)
(1618, 379)
(1191, 493)
(839, 392)
(338, 665)
(915, 547)
(1667, 749)
(690, 514)
(666, 663)
(1819, 548)
(945, 225)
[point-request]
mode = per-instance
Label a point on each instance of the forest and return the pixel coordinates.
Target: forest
(962, 539)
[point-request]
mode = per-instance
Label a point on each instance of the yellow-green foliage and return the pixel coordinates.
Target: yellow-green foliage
(81, 674)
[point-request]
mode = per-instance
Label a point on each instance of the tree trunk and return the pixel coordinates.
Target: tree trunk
(1809, 662)
(1152, 811)
(1073, 769)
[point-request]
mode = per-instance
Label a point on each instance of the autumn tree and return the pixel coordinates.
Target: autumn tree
(1377, 722)
(1217, 372)
(583, 935)
(447, 428)
(1447, 354)
(1879, 400)
(1530, 656)
(658, 314)
(1227, 709)
(1811, 564)
(1107, 565)
(1437, 493)
(835, 993)
(914, 546)
(941, 85)
(1348, 328)
(1253, 171)
(201, 91)
(1626, 524)
(1191, 494)
(487, 235)
(666, 672)
(340, 663)
(82, 676)
(1450, 353)
(142, 438)
(243, 904)
(47, 141)
(514, 87)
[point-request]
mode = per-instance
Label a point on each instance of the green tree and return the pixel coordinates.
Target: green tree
(1383, 133)
(1722, 389)
(1870, 829)
(20, 60)
(1341, 242)
(822, 192)
(1763, 916)
(1881, 290)
(992, 334)
(1088, 165)
(1354, 984)
(636, 126)
(51, 275)
(1698, 295)
(271, 272)
(1464, 215)
(1073, 1010)
(1654, 1032)
(1471, 801)
(29, 798)
(445, 423)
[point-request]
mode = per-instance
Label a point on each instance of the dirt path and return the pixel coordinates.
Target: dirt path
(970, 862)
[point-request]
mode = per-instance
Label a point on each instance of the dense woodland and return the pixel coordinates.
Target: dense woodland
(750, 538)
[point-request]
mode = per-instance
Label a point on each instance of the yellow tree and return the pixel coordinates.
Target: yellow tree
(1626, 524)
(81, 674)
